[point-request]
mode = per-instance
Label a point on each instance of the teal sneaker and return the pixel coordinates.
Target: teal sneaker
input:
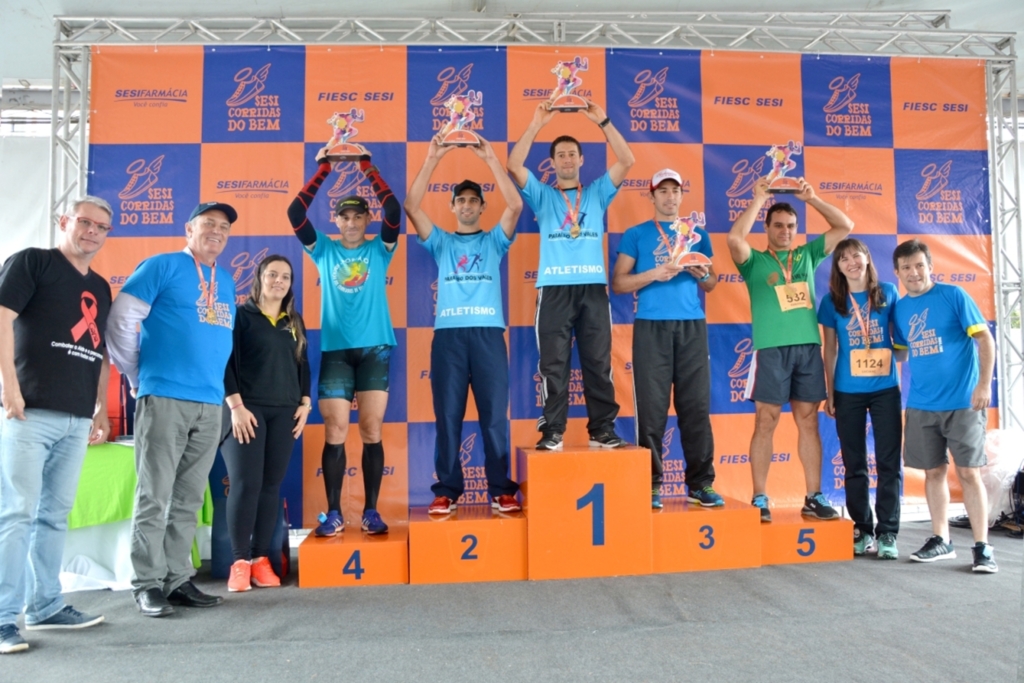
(887, 547)
(863, 543)
(656, 500)
(761, 501)
(706, 496)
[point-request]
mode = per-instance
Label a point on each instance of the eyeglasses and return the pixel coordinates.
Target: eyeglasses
(87, 224)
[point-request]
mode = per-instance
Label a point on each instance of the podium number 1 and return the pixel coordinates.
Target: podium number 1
(594, 497)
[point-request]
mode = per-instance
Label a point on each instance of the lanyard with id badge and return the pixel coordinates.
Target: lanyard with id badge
(868, 362)
(792, 295)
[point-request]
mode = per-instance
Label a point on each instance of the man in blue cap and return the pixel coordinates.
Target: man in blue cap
(176, 371)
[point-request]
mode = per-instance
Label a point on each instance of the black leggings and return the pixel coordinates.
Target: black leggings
(255, 473)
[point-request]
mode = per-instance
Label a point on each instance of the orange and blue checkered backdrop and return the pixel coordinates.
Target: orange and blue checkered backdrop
(899, 144)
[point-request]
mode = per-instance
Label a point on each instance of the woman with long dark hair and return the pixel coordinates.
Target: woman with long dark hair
(860, 370)
(267, 395)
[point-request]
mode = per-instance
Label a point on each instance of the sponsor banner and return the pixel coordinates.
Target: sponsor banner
(732, 354)
(242, 257)
(527, 388)
(152, 188)
(373, 85)
(786, 486)
(860, 182)
(942, 193)
(254, 94)
(847, 101)
(938, 104)
(623, 305)
(393, 503)
(833, 470)
(673, 478)
(346, 179)
(146, 95)
(730, 301)
(121, 255)
(532, 78)
(655, 96)
(622, 369)
(259, 180)
(633, 204)
(522, 266)
(729, 175)
(539, 162)
(751, 98)
(422, 287)
(435, 74)
(965, 261)
(421, 464)
(881, 248)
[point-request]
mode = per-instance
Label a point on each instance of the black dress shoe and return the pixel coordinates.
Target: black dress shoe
(188, 595)
(152, 603)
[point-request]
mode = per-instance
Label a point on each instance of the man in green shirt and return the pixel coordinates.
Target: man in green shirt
(787, 363)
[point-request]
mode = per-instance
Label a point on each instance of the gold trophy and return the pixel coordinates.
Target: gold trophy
(340, 147)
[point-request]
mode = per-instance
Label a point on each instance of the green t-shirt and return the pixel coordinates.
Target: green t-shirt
(761, 272)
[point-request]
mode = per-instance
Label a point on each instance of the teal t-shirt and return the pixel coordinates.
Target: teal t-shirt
(468, 277)
(676, 299)
(565, 258)
(850, 336)
(354, 310)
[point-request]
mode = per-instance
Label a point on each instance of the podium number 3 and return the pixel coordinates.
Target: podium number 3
(595, 498)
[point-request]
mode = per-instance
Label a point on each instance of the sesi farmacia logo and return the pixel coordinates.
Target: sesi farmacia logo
(151, 97)
(253, 188)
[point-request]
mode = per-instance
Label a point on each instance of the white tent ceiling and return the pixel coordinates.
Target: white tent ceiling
(26, 26)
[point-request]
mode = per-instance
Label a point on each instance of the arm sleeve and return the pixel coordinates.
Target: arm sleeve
(126, 313)
(391, 218)
(304, 230)
(18, 280)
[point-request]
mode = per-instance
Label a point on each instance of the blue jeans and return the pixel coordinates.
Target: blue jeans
(40, 460)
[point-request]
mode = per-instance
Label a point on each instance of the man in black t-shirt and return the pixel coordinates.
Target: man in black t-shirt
(54, 369)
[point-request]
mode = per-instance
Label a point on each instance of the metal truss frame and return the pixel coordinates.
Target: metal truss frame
(923, 34)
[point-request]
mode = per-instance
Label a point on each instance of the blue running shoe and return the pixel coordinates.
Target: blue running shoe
(706, 496)
(373, 524)
(330, 524)
(656, 503)
(761, 501)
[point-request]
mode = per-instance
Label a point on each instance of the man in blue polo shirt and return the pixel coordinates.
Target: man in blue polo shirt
(670, 337)
(950, 390)
(572, 292)
(185, 305)
(469, 329)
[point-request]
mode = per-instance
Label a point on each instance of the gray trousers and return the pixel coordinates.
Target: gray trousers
(175, 444)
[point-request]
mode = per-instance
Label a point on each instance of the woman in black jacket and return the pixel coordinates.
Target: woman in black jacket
(267, 394)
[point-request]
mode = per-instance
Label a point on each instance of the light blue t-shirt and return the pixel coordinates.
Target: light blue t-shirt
(182, 355)
(676, 299)
(937, 328)
(354, 310)
(468, 277)
(564, 259)
(850, 336)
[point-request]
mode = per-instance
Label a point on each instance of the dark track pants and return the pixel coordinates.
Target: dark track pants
(255, 472)
(667, 355)
(460, 358)
(585, 309)
(887, 424)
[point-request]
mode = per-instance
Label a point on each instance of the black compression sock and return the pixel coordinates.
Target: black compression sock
(333, 465)
(373, 472)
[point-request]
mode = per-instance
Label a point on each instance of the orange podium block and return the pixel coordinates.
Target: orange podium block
(353, 558)
(472, 544)
(688, 537)
(589, 511)
(791, 538)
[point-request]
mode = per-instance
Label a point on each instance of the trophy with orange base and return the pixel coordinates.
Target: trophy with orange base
(686, 240)
(782, 163)
(567, 73)
(461, 114)
(340, 149)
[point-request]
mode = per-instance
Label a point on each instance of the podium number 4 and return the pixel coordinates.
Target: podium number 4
(595, 498)
(353, 567)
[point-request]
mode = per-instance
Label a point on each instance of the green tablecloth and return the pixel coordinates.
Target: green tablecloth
(106, 490)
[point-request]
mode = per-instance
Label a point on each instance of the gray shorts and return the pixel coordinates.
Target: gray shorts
(787, 373)
(927, 434)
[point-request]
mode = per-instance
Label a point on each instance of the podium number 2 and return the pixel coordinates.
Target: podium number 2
(806, 542)
(468, 554)
(353, 568)
(594, 497)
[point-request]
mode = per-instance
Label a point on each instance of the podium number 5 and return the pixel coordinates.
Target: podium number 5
(594, 497)
(805, 542)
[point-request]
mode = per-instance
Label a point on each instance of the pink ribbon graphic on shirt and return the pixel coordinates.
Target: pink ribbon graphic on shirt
(88, 321)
